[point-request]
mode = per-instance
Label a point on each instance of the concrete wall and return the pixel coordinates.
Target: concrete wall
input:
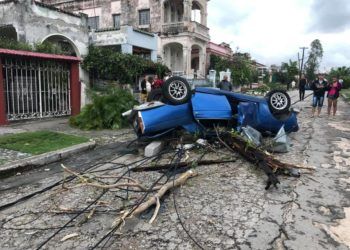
(127, 37)
(35, 23)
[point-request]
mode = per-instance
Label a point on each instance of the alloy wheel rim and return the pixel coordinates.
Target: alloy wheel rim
(177, 90)
(279, 101)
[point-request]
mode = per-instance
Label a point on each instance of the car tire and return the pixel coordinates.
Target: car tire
(155, 95)
(278, 101)
(176, 90)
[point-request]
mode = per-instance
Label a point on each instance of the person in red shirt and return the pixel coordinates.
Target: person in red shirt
(333, 94)
(157, 82)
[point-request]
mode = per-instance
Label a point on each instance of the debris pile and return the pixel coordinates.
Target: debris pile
(132, 185)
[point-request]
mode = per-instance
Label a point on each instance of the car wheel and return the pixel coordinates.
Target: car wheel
(155, 95)
(279, 101)
(177, 90)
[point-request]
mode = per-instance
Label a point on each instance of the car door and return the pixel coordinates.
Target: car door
(211, 107)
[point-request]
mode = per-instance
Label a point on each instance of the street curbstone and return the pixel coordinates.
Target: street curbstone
(46, 158)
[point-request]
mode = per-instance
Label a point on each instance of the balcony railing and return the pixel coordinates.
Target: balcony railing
(174, 28)
(180, 27)
(199, 29)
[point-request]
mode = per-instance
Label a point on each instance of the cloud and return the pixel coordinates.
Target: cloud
(272, 31)
(330, 16)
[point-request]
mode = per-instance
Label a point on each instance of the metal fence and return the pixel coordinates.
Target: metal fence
(36, 88)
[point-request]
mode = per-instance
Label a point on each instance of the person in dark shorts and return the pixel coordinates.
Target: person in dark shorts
(332, 95)
(319, 87)
(302, 84)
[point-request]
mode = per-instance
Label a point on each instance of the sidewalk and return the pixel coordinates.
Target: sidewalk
(101, 137)
(62, 125)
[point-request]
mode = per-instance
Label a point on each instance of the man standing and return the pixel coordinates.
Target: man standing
(319, 87)
(302, 84)
(225, 84)
(143, 95)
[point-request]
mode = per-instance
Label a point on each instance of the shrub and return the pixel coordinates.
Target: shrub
(45, 47)
(13, 44)
(108, 64)
(105, 111)
(274, 86)
(346, 83)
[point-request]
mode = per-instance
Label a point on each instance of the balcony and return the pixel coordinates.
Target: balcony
(181, 27)
(199, 29)
(174, 28)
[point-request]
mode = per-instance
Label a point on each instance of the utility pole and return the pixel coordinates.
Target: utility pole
(302, 62)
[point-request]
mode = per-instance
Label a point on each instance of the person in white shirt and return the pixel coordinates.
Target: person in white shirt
(149, 84)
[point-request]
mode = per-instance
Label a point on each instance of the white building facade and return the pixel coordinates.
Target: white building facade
(180, 27)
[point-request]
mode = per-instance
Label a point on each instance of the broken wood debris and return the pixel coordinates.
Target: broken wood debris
(261, 158)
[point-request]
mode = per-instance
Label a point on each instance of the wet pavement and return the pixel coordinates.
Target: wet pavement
(224, 207)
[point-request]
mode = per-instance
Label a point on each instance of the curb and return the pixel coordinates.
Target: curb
(46, 158)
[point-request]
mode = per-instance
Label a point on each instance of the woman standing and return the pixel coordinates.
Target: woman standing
(333, 94)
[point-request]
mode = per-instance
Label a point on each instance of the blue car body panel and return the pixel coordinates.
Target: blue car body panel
(258, 116)
(166, 117)
(211, 107)
(237, 96)
(214, 104)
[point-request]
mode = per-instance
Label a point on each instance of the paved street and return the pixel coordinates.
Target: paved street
(224, 207)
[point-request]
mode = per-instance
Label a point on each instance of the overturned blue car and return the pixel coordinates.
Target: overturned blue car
(177, 106)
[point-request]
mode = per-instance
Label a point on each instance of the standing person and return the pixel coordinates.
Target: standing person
(157, 82)
(225, 84)
(143, 94)
(333, 94)
(302, 84)
(149, 84)
(319, 87)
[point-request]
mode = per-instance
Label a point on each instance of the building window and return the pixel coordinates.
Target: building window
(116, 21)
(94, 22)
(144, 17)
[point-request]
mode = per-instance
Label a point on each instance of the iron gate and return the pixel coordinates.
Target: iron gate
(36, 88)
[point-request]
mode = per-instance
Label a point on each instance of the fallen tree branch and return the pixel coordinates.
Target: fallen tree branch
(169, 185)
(133, 212)
(90, 182)
(155, 211)
(180, 165)
(257, 156)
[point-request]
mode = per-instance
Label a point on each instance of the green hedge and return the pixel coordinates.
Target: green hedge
(108, 64)
(105, 111)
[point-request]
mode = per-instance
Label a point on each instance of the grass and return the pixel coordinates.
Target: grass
(39, 142)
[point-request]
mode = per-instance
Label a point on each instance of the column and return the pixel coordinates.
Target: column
(204, 17)
(187, 10)
(3, 119)
(187, 60)
(126, 48)
(202, 63)
(75, 89)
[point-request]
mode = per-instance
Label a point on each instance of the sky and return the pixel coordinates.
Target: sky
(272, 31)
